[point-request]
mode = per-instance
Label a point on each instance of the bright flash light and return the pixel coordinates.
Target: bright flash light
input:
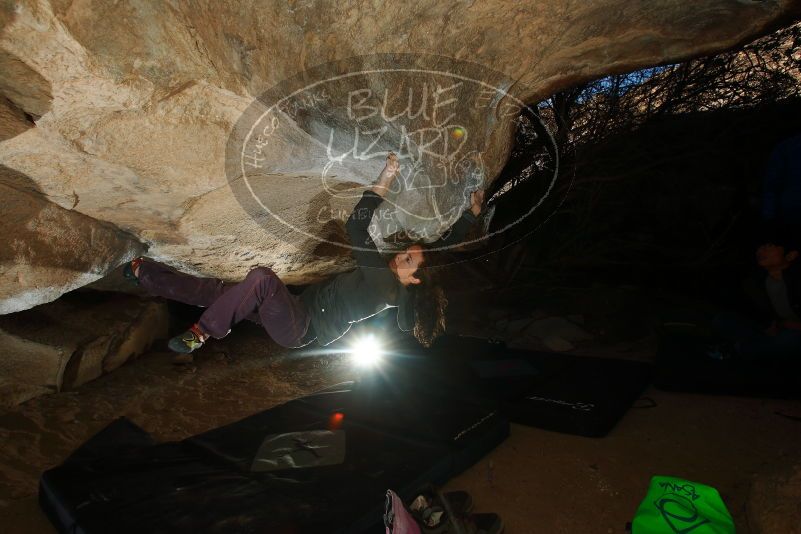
(366, 352)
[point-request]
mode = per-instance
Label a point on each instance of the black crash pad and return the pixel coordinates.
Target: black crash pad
(321, 463)
(684, 363)
(585, 396)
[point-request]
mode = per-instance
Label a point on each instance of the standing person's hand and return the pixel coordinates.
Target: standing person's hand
(476, 201)
(388, 175)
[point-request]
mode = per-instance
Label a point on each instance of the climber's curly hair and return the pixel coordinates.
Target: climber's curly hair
(428, 299)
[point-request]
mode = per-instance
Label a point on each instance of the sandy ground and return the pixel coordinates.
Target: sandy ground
(538, 481)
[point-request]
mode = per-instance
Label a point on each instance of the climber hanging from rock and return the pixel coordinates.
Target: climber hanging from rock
(326, 310)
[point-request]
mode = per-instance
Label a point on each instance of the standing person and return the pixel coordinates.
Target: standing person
(781, 188)
(324, 311)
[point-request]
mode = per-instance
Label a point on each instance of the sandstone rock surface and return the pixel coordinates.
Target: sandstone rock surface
(64, 344)
(119, 118)
(47, 249)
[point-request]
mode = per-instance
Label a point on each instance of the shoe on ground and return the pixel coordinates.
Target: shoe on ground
(188, 341)
(460, 503)
(434, 516)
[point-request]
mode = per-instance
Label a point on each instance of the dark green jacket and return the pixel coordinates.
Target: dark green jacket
(335, 304)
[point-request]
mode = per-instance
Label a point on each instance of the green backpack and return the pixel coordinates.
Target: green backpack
(677, 506)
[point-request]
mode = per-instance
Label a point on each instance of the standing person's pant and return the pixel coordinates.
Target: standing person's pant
(261, 297)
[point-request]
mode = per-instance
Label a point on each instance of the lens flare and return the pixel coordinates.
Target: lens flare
(366, 352)
(335, 421)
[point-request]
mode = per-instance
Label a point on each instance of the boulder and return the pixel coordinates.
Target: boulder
(143, 112)
(66, 343)
(12, 120)
(48, 250)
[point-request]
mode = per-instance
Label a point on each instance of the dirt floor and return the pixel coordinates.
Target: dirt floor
(538, 481)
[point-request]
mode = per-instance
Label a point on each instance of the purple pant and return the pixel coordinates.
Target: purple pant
(261, 297)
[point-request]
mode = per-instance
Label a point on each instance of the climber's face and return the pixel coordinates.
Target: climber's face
(406, 263)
